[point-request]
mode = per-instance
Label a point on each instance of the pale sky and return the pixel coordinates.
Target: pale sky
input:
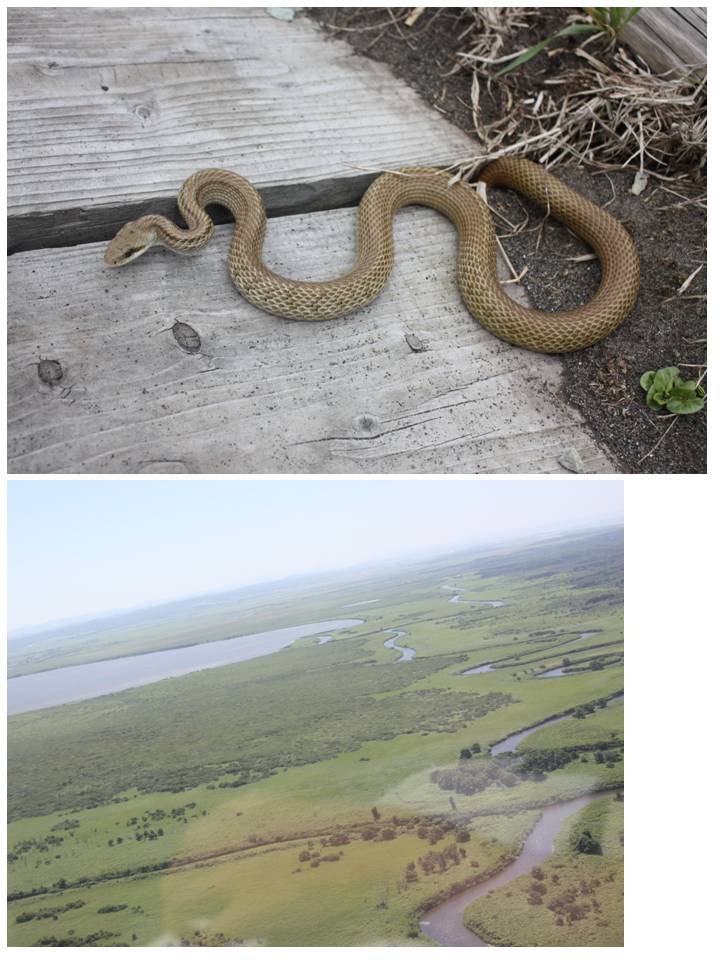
(81, 547)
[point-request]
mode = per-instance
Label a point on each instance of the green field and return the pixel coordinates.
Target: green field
(186, 805)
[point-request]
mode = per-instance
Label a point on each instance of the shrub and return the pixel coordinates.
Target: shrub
(586, 843)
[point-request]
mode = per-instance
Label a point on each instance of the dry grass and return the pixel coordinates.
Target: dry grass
(609, 112)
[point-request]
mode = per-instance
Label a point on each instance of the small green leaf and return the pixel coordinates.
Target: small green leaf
(665, 378)
(653, 404)
(685, 404)
(646, 380)
(685, 388)
(658, 393)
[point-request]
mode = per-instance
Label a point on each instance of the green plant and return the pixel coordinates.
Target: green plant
(611, 20)
(665, 389)
(606, 20)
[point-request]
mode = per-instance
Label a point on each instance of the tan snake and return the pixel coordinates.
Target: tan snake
(485, 298)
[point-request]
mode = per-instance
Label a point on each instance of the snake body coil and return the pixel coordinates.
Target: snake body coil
(477, 278)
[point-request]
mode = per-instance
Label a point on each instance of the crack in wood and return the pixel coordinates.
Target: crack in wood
(73, 227)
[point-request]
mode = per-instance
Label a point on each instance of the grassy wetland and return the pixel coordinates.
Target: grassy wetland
(330, 793)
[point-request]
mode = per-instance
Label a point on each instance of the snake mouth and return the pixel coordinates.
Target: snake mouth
(125, 256)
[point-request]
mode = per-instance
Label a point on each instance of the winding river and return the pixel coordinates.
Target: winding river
(50, 688)
(478, 603)
(560, 671)
(511, 743)
(407, 653)
(444, 923)
(556, 672)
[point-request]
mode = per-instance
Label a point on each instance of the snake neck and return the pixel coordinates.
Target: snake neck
(201, 189)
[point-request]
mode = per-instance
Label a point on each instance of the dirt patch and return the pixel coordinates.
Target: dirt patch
(664, 329)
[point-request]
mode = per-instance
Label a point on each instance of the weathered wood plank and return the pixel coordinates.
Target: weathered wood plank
(269, 395)
(669, 38)
(111, 108)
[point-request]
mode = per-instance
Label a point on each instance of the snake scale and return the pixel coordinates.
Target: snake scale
(559, 332)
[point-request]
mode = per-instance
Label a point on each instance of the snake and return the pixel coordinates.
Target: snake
(545, 332)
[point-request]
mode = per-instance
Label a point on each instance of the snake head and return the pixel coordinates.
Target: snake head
(129, 243)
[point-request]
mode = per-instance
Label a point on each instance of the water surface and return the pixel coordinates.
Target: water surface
(86, 680)
(407, 652)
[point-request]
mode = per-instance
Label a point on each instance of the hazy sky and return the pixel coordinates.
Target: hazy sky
(79, 547)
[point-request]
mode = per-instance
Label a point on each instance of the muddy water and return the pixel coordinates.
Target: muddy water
(407, 653)
(444, 923)
(87, 680)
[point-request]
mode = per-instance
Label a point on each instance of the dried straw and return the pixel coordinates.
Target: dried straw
(610, 112)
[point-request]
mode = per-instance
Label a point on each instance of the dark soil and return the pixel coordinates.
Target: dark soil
(663, 329)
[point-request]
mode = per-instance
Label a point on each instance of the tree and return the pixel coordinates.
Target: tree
(476, 748)
(465, 754)
(452, 803)
(376, 813)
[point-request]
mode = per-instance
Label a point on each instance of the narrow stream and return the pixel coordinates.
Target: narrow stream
(407, 653)
(444, 923)
(560, 671)
(511, 743)
(555, 672)
(478, 603)
(483, 668)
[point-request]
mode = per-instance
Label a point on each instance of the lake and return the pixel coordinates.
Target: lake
(68, 684)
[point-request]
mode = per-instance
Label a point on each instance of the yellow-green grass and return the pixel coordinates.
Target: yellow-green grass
(360, 899)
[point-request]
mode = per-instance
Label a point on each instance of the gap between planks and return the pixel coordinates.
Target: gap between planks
(69, 228)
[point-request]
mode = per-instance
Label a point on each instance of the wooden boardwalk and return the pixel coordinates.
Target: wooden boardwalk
(107, 128)
(669, 38)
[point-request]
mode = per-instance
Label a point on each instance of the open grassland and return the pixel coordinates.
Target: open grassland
(192, 799)
(333, 896)
(574, 899)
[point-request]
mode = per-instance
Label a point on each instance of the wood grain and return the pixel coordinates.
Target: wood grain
(265, 395)
(669, 38)
(110, 109)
